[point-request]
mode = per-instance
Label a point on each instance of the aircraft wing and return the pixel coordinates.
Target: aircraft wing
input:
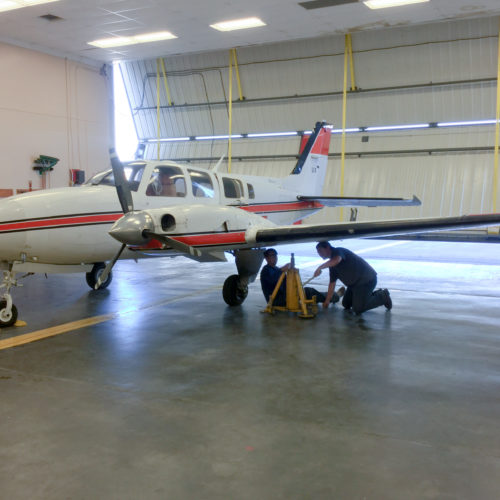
(344, 230)
(342, 201)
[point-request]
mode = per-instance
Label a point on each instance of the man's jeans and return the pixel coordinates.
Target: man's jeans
(362, 297)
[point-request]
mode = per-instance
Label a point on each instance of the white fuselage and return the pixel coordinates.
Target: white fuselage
(69, 226)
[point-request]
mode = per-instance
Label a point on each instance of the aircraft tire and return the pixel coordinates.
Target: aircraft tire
(7, 320)
(92, 276)
(233, 295)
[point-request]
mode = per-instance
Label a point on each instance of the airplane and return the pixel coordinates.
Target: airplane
(161, 208)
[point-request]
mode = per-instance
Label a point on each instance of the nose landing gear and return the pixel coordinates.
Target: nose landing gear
(8, 311)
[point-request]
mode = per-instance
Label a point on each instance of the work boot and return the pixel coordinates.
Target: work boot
(341, 291)
(388, 300)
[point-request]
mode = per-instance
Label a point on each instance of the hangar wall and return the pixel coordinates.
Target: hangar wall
(51, 106)
(421, 74)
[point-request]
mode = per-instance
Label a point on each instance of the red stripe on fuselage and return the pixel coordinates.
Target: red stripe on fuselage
(62, 221)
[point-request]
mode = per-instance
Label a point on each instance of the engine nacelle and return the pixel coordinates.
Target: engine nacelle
(134, 228)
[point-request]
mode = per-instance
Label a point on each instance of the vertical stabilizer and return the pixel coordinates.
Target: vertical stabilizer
(308, 176)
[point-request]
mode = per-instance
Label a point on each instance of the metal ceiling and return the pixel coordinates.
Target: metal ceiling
(85, 20)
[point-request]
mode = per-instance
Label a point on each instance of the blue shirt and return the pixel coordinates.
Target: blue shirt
(269, 277)
(352, 269)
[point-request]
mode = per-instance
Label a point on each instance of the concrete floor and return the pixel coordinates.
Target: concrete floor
(181, 397)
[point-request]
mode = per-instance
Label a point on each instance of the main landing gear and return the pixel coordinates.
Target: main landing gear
(93, 275)
(248, 262)
(8, 311)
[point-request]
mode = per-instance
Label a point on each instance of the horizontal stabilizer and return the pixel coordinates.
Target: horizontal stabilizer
(343, 201)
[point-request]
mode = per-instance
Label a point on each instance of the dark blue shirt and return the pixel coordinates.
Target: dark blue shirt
(352, 269)
(269, 277)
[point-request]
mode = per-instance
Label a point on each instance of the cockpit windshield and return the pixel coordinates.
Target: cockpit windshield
(133, 173)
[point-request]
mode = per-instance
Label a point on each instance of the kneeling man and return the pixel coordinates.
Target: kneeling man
(358, 276)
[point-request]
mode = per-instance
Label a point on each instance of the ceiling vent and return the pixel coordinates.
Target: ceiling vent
(51, 17)
(320, 4)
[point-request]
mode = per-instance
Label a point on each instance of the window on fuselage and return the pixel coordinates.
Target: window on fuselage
(202, 184)
(233, 188)
(251, 192)
(133, 173)
(166, 181)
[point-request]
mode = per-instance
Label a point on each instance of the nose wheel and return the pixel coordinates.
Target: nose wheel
(92, 276)
(8, 316)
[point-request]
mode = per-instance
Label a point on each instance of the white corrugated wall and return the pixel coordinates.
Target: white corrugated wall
(449, 182)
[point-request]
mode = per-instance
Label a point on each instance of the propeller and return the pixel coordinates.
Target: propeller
(127, 204)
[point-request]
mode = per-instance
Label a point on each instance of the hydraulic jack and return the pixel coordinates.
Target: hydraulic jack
(296, 300)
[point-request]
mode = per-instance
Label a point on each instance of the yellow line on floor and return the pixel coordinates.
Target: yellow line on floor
(94, 320)
(55, 330)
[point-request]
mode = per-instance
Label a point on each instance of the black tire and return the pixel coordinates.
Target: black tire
(233, 295)
(93, 276)
(8, 320)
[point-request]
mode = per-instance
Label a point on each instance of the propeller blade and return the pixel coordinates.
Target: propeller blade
(182, 247)
(121, 183)
(104, 276)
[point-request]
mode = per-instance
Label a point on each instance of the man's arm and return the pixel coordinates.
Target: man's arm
(329, 294)
(329, 263)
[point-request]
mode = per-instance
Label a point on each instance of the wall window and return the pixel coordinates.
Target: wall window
(202, 184)
(166, 181)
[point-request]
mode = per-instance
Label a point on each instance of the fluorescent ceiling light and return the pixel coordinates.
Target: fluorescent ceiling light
(397, 127)
(238, 24)
(348, 130)
(214, 137)
(119, 41)
(272, 134)
(382, 4)
(466, 124)
(170, 139)
(6, 5)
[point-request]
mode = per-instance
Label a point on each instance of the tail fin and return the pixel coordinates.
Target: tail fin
(308, 176)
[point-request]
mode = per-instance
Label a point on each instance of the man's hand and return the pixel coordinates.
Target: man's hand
(286, 267)
(317, 272)
(326, 303)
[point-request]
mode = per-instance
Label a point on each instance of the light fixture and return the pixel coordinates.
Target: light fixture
(6, 5)
(396, 127)
(272, 134)
(216, 137)
(383, 4)
(238, 24)
(119, 41)
(466, 124)
(382, 128)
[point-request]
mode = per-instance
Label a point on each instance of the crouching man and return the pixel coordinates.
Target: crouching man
(270, 275)
(358, 276)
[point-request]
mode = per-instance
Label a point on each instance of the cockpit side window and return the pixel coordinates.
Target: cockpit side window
(232, 188)
(166, 181)
(251, 191)
(133, 173)
(202, 184)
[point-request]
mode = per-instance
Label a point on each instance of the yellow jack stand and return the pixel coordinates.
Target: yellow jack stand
(295, 297)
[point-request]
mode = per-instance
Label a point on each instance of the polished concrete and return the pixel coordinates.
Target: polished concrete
(181, 397)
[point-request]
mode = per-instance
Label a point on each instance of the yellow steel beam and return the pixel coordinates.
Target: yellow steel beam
(344, 113)
(165, 81)
(237, 71)
(230, 143)
(497, 133)
(158, 107)
(351, 61)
